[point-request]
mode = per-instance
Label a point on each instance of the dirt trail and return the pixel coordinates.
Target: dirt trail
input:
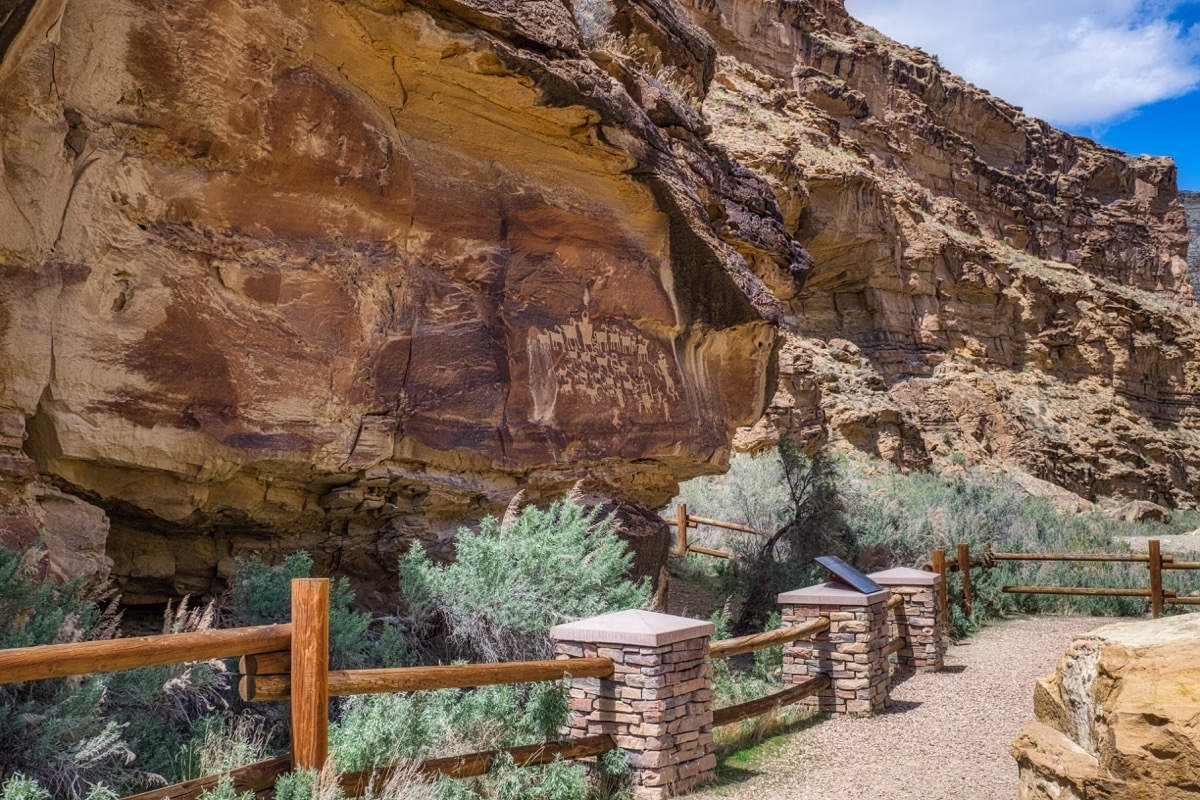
(945, 738)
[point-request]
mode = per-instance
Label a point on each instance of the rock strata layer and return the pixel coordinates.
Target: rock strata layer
(1117, 721)
(1191, 205)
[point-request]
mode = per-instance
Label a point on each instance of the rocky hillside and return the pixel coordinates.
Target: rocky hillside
(339, 276)
(983, 284)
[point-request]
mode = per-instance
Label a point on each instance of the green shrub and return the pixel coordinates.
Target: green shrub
(18, 787)
(794, 502)
(383, 730)
(261, 594)
(125, 730)
(224, 791)
(512, 581)
(309, 785)
(895, 518)
(902, 518)
(54, 733)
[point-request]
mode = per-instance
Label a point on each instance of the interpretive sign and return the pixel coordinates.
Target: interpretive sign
(840, 570)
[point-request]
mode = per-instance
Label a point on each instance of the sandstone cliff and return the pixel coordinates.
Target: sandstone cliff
(338, 276)
(1117, 721)
(334, 276)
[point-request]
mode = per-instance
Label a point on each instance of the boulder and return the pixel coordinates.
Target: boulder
(1118, 720)
(1063, 500)
(1140, 511)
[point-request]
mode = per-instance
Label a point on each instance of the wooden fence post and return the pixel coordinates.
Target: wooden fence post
(310, 672)
(1156, 584)
(681, 528)
(964, 566)
(939, 566)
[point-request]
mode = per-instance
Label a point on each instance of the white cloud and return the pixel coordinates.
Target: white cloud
(1070, 62)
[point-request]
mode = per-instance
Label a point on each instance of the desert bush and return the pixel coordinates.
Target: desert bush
(743, 678)
(54, 734)
(224, 790)
(83, 737)
(221, 742)
(593, 18)
(261, 594)
(907, 516)
(139, 729)
(384, 730)
(896, 518)
(512, 580)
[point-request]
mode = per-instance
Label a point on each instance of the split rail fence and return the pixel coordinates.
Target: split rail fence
(683, 521)
(290, 662)
(1155, 560)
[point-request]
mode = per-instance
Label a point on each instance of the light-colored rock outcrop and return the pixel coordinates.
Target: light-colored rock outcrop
(1118, 720)
(1191, 205)
(1139, 511)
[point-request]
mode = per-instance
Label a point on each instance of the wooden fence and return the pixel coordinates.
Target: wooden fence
(291, 662)
(683, 521)
(1155, 560)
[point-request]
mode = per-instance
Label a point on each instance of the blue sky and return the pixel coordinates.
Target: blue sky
(1123, 72)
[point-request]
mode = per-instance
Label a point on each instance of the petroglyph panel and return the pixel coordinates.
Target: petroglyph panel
(603, 366)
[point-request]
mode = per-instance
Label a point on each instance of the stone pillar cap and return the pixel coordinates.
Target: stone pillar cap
(903, 576)
(635, 627)
(832, 593)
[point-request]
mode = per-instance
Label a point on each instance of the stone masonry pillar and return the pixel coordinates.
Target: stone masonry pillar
(658, 703)
(850, 653)
(919, 619)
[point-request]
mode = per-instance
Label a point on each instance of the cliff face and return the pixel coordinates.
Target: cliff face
(983, 283)
(300, 274)
(1191, 205)
(337, 276)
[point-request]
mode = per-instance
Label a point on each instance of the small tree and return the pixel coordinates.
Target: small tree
(814, 526)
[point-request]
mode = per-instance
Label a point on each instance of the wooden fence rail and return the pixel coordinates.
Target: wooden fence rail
(472, 765)
(726, 648)
(1155, 560)
(683, 520)
(114, 655)
(761, 705)
(343, 683)
(257, 777)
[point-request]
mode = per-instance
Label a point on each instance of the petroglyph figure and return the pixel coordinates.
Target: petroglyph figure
(600, 363)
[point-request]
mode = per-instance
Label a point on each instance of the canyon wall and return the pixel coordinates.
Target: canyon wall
(342, 276)
(985, 286)
(300, 274)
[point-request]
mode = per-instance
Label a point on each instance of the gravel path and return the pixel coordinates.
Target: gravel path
(945, 738)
